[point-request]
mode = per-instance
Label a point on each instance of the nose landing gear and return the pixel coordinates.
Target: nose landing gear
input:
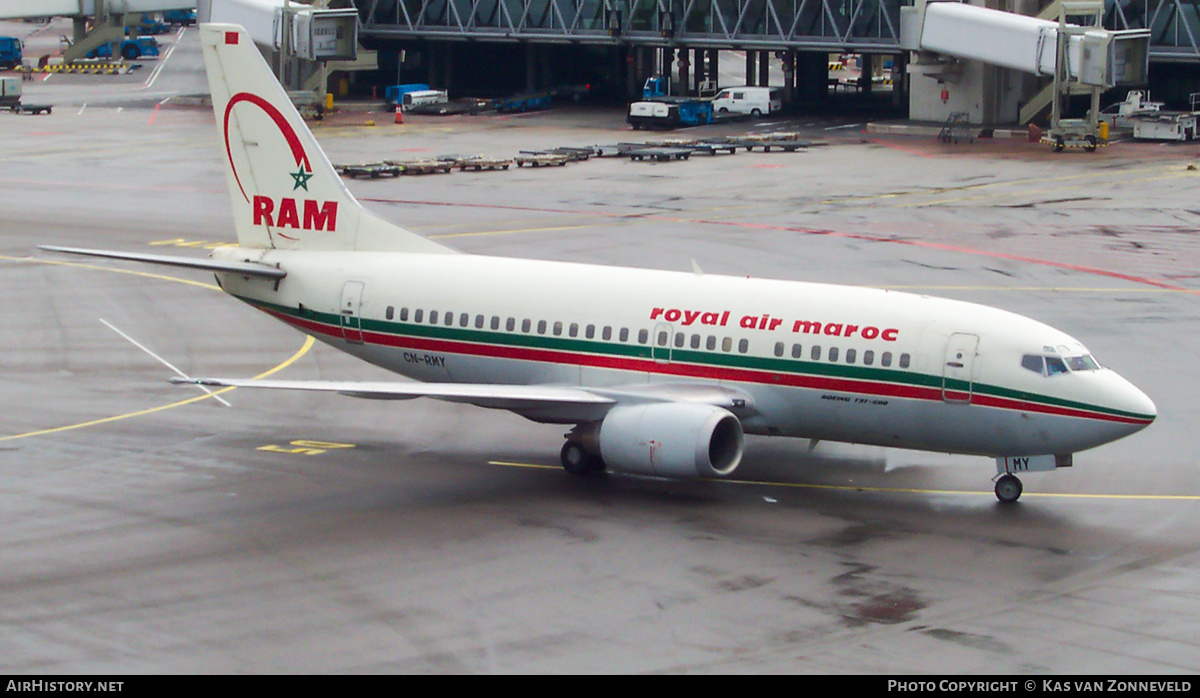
(1008, 488)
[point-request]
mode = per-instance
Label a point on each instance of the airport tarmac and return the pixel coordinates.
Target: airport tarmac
(145, 529)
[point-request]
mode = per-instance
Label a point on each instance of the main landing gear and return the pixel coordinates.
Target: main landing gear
(1008, 488)
(579, 461)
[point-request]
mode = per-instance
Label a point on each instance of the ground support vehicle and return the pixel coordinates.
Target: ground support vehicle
(542, 160)
(129, 49)
(788, 142)
(10, 52)
(479, 164)
(184, 18)
(532, 101)
(1165, 126)
(31, 108)
(394, 94)
(371, 170)
(420, 167)
(642, 151)
(751, 101)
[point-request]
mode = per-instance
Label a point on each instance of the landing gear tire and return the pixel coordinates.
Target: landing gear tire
(577, 461)
(1008, 489)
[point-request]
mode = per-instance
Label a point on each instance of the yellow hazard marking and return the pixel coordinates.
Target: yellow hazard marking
(305, 447)
(308, 344)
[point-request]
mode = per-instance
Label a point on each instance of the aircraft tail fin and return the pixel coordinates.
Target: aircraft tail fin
(285, 193)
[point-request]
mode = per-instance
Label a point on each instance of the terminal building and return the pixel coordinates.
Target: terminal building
(506, 45)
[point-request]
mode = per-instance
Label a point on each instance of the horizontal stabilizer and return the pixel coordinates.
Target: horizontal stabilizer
(247, 268)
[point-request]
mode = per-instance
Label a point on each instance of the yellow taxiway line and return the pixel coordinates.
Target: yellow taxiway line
(308, 343)
(902, 490)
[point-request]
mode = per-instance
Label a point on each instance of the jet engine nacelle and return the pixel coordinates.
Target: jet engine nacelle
(671, 440)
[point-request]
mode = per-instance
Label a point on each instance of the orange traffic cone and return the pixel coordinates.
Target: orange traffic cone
(399, 115)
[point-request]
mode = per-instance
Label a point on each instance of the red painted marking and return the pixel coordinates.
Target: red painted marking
(231, 37)
(285, 129)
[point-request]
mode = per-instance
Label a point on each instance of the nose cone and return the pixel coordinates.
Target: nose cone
(1133, 407)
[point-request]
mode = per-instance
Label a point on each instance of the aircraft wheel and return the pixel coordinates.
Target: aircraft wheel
(1008, 489)
(577, 461)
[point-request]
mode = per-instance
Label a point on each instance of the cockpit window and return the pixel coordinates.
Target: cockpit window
(1083, 363)
(1053, 365)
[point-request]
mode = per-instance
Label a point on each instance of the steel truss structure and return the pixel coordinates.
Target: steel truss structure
(814, 25)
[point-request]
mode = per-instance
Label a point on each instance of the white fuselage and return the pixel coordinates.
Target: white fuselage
(817, 361)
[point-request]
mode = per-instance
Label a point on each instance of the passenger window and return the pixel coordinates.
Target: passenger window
(573, 330)
(510, 324)
(815, 353)
(711, 342)
(390, 313)
(778, 348)
(727, 344)
(557, 329)
(695, 341)
(526, 325)
(404, 315)
(590, 331)
(624, 336)
(643, 336)
(851, 354)
(833, 353)
(1033, 363)
(449, 318)
(743, 346)
(606, 334)
(796, 351)
(885, 359)
(680, 338)
(433, 316)
(478, 322)
(662, 339)
(495, 322)
(541, 327)
(868, 357)
(417, 314)
(904, 360)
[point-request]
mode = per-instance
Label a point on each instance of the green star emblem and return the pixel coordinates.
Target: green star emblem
(301, 178)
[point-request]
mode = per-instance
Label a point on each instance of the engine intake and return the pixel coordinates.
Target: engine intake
(674, 439)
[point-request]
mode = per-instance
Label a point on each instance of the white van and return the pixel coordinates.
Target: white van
(422, 97)
(754, 101)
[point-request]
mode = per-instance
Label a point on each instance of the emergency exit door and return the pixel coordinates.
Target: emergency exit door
(351, 311)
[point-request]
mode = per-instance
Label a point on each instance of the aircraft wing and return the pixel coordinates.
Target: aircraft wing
(508, 397)
(555, 403)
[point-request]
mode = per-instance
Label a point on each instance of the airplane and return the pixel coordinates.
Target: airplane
(657, 373)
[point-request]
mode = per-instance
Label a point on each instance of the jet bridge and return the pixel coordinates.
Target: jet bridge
(987, 62)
